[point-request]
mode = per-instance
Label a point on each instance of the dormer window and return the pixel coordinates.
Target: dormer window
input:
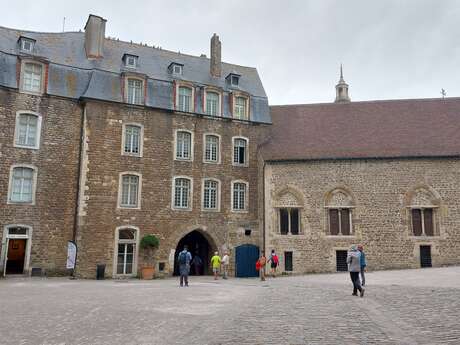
(130, 60)
(26, 44)
(233, 79)
(176, 68)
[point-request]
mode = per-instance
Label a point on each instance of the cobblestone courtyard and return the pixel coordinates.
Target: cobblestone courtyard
(399, 307)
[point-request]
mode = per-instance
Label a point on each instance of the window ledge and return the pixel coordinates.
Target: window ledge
(181, 209)
(240, 211)
(210, 210)
(26, 147)
(336, 237)
(131, 155)
(25, 203)
(240, 165)
(121, 207)
(33, 93)
(211, 162)
(425, 238)
(183, 159)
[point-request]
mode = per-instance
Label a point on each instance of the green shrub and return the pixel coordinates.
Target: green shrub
(150, 241)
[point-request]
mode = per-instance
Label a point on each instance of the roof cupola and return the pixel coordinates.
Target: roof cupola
(341, 89)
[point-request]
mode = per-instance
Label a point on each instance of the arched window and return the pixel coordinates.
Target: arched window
(211, 148)
(239, 196)
(126, 246)
(212, 103)
(240, 108)
(32, 77)
(134, 91)
(129, 190)
(339, 206)
(211, 195)
(240, 151)
(423, 206)
(184, 99)
(132, 139)
(184, 149)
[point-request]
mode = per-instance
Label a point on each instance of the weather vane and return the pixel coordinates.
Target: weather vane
(443, 93)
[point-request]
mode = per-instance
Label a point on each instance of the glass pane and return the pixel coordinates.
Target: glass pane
(126, 234)
(334, 221)
(417, 222)
(294, 214)
(345, 221)
(428, 221)
(17, 231)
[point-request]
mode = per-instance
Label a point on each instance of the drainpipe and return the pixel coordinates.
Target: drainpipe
(263, 203)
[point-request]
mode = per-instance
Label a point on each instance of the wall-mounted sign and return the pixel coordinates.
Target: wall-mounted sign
(71, 254)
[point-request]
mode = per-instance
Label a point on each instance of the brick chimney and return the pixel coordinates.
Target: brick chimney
(94, 36)
(216, 61)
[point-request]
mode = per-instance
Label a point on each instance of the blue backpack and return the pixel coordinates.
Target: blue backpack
(182, 258)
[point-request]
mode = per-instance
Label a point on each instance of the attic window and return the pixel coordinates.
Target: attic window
(130, 60)
(233, 79)
(176, 68)
(26, 44)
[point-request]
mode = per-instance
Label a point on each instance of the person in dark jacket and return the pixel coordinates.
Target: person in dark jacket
(363, 263)
(354, 267)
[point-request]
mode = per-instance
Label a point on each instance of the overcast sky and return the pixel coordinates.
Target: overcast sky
(389, 49)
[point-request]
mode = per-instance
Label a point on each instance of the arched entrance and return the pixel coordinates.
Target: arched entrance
(198, 245)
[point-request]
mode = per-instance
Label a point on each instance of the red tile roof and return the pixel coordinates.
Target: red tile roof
(374, 129)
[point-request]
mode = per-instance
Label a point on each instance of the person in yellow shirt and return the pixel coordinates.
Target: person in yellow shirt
(215, 263)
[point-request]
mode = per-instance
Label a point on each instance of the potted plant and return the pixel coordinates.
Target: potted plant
(149, 243)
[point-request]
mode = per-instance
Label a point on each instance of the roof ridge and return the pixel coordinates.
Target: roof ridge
(42, 32)
(370, 101)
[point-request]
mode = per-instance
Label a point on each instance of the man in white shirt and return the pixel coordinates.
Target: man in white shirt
(225, 264)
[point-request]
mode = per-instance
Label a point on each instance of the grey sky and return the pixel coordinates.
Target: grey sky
(390, 49)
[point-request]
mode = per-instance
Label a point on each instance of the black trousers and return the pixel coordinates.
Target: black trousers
(356, 283)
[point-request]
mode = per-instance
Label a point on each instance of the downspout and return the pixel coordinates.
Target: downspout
(263, 203)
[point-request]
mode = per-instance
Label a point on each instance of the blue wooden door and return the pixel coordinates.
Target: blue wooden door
(246, 257)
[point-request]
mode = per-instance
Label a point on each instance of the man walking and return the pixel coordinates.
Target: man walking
(363, 263)
(274, 261)
(215, 263)
(225, 264)
(184, 259)
(354, 267)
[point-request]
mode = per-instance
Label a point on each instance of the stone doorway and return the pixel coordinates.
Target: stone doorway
(198, 245)
(16, 256)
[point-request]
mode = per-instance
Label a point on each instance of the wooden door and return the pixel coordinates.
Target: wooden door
(16, 256)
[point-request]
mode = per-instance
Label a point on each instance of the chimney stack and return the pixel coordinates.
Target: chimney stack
(216, 61)
(94, 36)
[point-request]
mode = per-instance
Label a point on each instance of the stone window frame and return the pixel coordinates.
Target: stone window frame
(129, 76)
(120, 191)
(190, 193)
(434, 203)
(246, 197)
(279, 204)
(192, 140)
(141, 139)
(219, 151)
(180, 84)
(289, 208)
(210, 89)
(136, 251)
(235, 95)
(246, 162)
(34, 184)
(218, 197)
(4, 247)
(38, 134)
(43, 77)
(351, 207)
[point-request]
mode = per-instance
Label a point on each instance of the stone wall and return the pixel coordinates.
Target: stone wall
(51, 218)
(380, 192)
(102, 162)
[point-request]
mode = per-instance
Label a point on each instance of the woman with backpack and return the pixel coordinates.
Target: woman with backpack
(274, 261)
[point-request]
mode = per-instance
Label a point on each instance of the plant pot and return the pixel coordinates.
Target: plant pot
(147, 273)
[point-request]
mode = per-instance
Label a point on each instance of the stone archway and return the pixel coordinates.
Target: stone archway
(199, 244)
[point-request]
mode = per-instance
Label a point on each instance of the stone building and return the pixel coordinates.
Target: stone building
(103, 141)
(382, 173)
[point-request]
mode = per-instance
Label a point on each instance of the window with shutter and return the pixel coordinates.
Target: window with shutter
(345, 221)
(417, 222)
(428, 221)
(334, 221)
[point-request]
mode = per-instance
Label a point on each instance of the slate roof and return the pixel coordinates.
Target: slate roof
(66, 54)
(374, 129)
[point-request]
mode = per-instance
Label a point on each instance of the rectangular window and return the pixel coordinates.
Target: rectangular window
(240, 108)
(212, 103)
(130, 190)
(284, 221)
(422, 222)
(22, 185)
(341, 260)
(211, 149)
(239, 151)
(288, 264)
(417, 222)
(132, 140)
(185, 99)
(32, 77)
(210, 195)
(289, 221)
(135, 91)
(340, 221)
(239, 196)
(183, 145)
(181, 193)
(27, 130)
